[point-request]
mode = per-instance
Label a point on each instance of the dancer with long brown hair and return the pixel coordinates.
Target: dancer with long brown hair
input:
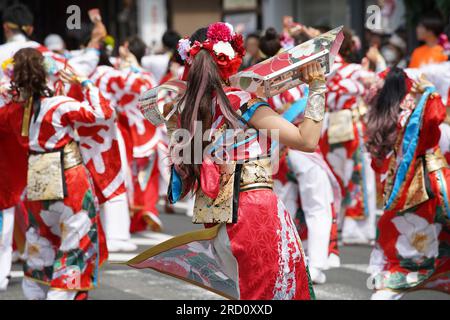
(413, 236)
(256, 249)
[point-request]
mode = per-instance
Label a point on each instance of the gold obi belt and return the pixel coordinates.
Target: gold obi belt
(435, 161)
(234, 179)
(45, 177)
(256, 174)
(419, 191)
(340, 124)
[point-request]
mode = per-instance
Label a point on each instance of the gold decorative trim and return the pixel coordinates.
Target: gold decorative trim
(435, 161)
(254, 101)
(257, 186)
(201, 235)
(26, 118)
(72, 156)
(417, 190)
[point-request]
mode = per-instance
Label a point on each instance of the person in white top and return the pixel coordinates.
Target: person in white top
(18, 28)
(157, 64)
(55, 43)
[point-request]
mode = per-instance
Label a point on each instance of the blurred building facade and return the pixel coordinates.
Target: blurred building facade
(150, 18)
(186, 16)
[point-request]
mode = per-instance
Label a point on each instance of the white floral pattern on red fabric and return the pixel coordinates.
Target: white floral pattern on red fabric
(70, 226)
(39, 251)
(418, 239)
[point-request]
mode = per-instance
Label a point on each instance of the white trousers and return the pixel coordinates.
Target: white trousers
(115, 218)
(6, 239)
(316, 196)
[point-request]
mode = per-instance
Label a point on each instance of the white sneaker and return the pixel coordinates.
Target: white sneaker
(113, 245)
(386, 295)
(33, 290)
(334, 261)
(4, 284)
(121, 246)
(356, 241)
(127, 246)
(317, 276)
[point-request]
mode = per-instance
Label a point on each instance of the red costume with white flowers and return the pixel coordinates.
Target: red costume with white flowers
(64, 238)
(413, 237)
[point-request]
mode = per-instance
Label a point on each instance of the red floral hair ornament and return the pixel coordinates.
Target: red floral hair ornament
(224, 45)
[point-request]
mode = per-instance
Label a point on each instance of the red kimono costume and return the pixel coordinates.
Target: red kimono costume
(142, 140)
(123, 88)
(259, 257)
(84, 63)
(64, 240)
(347, 157)
(413, 240)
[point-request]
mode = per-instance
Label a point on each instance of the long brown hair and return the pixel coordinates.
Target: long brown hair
(204, 90)
(383, 115)
(30, 76)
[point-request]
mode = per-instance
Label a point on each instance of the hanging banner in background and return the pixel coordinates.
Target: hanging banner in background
(393, 15)
(152, 21)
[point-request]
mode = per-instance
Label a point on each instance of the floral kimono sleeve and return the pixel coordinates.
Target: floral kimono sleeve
(434, 116)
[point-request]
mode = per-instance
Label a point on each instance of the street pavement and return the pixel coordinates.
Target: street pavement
(119, 282)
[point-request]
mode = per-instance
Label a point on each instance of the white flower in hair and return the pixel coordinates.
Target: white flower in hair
(184, 46)
(225, 48)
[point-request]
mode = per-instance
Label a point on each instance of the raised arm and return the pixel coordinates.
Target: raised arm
(94, 108)
(306, 136)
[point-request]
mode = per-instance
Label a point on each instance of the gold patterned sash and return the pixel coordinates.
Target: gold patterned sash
(252, 175)
(45, 177)
(417, 192)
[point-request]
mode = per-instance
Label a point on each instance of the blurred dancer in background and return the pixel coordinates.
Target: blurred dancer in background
(18, 27)
(343, 144)
(304, 184)
(413, 237)
(157, 62)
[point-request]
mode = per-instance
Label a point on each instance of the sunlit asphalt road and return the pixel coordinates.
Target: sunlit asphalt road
(119, 282)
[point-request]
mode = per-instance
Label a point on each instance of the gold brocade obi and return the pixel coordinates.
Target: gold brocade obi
(45, 177)
(340, 123)
(256, 175)
(72, 155)
(235, 178)
(419, 191)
